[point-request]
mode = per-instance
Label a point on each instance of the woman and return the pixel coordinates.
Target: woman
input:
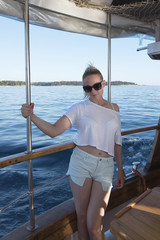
(91, 166)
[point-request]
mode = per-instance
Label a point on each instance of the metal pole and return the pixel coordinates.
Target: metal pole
(157, 30)
(109, 55)
(29, 133)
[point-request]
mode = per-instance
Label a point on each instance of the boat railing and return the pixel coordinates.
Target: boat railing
(40, 152)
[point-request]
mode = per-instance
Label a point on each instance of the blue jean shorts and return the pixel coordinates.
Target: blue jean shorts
(84, 165)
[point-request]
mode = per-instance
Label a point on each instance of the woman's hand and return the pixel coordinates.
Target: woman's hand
(120, 179)
(50, 129)
(27, 110)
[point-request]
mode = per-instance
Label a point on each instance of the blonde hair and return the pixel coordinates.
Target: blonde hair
(90, 70)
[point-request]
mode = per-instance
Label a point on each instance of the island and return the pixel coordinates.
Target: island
(58, 83)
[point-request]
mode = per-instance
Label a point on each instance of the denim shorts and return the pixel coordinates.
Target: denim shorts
(84, 165)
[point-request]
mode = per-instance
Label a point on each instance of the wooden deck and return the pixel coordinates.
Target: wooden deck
(140, 219)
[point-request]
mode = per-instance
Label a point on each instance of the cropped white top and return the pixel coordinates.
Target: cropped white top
(97, 126)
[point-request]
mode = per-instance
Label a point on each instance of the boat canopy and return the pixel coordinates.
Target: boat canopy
(128, 17)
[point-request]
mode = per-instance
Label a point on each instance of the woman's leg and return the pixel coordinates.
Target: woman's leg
(81, 198)
(96, 211)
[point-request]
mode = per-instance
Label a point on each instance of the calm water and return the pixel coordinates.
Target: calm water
(139, 106)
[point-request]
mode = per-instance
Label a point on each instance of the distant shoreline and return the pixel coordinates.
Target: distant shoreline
(59, 83)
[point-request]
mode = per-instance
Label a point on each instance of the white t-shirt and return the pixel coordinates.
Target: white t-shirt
(97, 126)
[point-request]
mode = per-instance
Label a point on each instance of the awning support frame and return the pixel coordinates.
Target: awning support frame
(109, 55)
(32, 226)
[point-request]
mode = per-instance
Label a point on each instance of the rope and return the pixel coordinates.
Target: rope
(47, 184)
(50, 183)
(132, 153)
(7, 206)
(143, 10)
(30, 193)
(142, 177)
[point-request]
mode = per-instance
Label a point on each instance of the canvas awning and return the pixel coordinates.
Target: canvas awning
(129, 18)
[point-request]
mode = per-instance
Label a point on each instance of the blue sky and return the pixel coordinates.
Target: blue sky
(63, 56)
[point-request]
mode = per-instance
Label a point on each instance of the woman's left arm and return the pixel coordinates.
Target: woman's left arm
(120, 174)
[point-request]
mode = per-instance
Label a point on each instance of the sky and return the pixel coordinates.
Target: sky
(63, 56)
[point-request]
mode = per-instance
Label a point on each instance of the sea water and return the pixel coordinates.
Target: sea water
(139, 107)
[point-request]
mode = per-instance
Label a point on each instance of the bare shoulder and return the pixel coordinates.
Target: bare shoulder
(116, 107)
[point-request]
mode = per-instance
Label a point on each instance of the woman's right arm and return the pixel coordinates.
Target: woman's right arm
(49, 129)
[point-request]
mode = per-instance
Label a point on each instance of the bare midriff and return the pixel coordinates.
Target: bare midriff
(94, 151)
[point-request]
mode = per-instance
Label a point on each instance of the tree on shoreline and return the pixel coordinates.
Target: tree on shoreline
(58, 83)
(11, 83)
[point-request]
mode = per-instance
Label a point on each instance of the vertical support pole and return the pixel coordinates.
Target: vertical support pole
(109, 55)
(28, 100)
(157, 30)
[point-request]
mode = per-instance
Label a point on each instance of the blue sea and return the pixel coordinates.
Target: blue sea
(139, 107)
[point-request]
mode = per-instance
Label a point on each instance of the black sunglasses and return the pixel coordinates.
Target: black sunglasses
(96, 86)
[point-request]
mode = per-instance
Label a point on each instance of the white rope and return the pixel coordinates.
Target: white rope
(50, 183)
(28, 193)
(132, 153)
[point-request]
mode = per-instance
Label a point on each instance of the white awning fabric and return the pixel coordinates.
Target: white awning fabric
(85, 17)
